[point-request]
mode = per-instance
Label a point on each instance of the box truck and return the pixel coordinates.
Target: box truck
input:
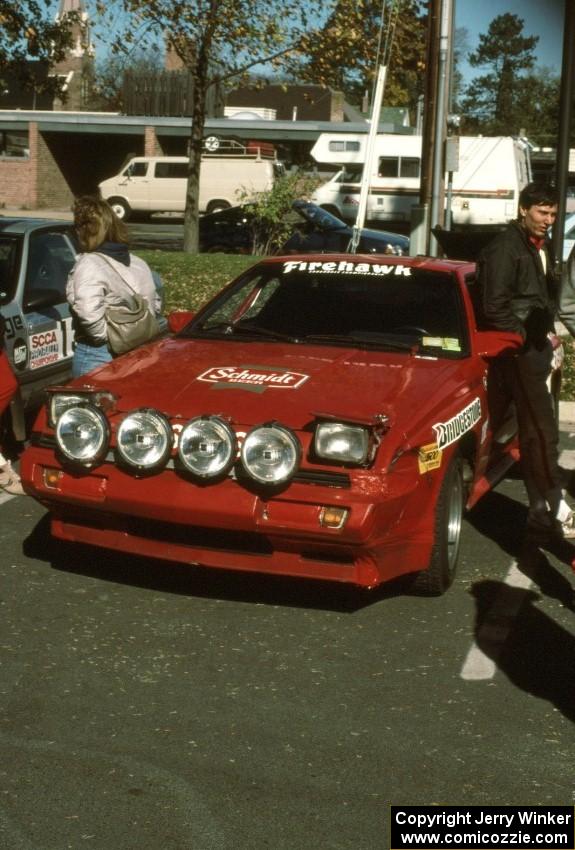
(491, 171)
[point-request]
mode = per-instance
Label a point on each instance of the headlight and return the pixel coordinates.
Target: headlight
(207, 447)
(59, 402)
(339, 442)
(58, 405)
(82, 434)
(271, 454)
(144, 439)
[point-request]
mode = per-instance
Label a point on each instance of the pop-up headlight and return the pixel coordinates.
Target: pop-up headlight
(342, 443)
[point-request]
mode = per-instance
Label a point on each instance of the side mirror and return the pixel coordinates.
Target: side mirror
(178, 319)
(494, 343)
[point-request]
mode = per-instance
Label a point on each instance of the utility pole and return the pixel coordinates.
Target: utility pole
(565, 113)
(430, 210)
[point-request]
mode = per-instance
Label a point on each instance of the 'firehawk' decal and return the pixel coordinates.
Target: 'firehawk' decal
(448, 432)
(254, 378)
(319, 267)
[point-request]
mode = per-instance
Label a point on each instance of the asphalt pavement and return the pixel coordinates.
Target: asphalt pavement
(146, 705)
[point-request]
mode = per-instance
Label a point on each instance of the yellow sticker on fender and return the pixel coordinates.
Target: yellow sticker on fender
(429, 457)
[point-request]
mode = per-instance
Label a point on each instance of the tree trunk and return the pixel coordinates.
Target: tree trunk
(196, 146)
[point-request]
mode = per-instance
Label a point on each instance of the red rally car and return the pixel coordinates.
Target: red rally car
(326, 417)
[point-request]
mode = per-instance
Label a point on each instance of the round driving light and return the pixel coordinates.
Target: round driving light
(82, 434)
(271, 454)
(144, 439)
(207, 447)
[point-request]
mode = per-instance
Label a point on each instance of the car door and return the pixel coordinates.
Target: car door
(42, 353)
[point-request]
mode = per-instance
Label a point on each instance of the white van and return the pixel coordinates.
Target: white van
(152, 184)
(491, 173)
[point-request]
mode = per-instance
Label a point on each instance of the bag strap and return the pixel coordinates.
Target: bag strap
(118, 272)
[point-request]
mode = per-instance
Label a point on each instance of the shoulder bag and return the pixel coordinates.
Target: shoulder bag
(131, 324)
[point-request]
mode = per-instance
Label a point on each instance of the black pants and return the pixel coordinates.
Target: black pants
(525, 375)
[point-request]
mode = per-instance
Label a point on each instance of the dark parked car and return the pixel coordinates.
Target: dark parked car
(316, 231)
(324, 233)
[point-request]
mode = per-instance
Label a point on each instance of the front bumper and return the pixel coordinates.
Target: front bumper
(388, 532)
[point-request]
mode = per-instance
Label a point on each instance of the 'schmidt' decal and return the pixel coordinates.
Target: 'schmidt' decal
(448, 432)
(256, 378)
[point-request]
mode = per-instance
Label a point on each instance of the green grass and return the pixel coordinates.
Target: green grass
(568, 381)
(191, 279)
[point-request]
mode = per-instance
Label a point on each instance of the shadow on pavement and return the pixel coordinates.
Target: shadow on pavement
(538, 656)
(171, 577)
(503, 520)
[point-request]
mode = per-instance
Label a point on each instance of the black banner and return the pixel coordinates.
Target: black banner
(487, 827)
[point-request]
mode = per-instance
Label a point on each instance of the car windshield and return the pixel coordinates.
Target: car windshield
(318, 216)
(10, 253)
(341, 303)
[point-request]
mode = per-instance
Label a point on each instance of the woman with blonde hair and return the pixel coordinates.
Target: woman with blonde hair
(100, 278)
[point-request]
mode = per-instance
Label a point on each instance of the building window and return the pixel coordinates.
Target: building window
(14, 143)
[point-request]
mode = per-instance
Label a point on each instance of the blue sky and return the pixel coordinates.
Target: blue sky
(541, 17)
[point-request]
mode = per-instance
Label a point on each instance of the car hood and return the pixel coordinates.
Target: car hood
(255, 382)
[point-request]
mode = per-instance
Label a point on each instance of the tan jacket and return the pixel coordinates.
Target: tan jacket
(94, 284)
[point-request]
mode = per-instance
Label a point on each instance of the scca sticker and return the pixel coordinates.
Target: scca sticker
(429, 457)
(254, 378)
(448, 432)
(45, 348)
(346, 267)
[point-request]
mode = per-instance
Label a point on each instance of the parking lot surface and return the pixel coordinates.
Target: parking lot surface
(145, 704)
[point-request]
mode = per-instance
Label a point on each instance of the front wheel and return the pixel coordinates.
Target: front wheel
(447, 534)
(217, 206)
(121, 208)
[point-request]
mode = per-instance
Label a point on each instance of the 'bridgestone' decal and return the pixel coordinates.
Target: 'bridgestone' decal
(448, 432)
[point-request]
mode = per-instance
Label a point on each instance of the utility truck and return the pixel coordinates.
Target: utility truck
(490, 172)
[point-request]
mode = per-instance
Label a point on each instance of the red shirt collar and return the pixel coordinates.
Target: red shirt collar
(535, 240)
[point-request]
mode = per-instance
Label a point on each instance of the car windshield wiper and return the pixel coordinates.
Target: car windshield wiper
(230, 329)
(267, 333)
(371, 339)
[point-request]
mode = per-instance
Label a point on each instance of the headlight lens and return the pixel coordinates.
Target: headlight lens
(271, 454)
(59, 402)
(144, 439)
(339, 442)
(207, 447)
(82, 434)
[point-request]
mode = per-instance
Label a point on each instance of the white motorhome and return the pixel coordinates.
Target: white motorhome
(157, 184)
(491, 172)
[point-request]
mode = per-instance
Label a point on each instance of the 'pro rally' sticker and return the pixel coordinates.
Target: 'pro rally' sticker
(428, 458)
(448, 432)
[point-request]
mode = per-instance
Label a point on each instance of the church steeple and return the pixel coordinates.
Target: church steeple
(76, 68)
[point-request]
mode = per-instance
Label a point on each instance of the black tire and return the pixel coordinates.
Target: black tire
(217, 206)
(447, 534)
(121, 208)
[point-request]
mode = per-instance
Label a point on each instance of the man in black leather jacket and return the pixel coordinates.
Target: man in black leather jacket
(517, 282)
